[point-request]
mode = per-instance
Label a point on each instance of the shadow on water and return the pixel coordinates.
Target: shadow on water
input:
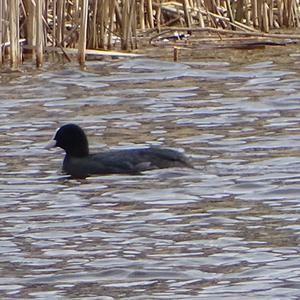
(229, 228)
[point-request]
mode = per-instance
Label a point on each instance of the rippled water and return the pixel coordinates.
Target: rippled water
(228, 228)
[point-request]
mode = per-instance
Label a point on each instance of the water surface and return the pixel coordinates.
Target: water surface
(228, 228)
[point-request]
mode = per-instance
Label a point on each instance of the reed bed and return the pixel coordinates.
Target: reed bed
(39, 26)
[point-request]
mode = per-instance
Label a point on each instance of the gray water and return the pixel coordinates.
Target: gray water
(227, 229)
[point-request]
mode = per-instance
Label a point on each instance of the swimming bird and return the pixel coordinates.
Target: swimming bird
(79, 163)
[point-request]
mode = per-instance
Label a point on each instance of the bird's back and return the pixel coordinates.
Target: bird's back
(128, 161)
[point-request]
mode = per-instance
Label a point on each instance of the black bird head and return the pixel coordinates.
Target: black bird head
(72, 139)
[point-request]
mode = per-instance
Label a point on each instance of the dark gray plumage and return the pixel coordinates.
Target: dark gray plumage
(79, 163)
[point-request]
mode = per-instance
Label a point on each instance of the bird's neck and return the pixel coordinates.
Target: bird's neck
(78, 152)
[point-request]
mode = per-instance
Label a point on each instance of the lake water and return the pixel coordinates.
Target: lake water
(227, 229)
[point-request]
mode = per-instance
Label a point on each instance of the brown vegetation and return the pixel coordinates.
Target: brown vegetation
(50, 25)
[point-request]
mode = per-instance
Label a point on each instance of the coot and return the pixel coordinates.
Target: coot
(79, 163)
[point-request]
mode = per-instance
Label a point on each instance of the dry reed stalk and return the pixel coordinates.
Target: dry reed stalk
(240, 10)
(94, 9)
(5, 25)
(187, 15)
(75, 21)
(289, 13)
(150, 14)
(39, 33)
(60, 22)
(94, 52)
(271, 13)
(294, 14)
(124, 24)
(127, 13)
(118, 16)
(247, 12)
(284, 13)
(134, 26)
(142, 15)
(14, 16)
(30, 23)
(1, 31)
(83, 32)
(280, 12)
(103, 22)
(265, 17)
(210, 5)
(158, 16)
(254, 13)
(260, 13)
(199, 13)
(102, 19)
(176, 54)
(54, 10)
(229, 10)
(296, 11)
(112, 5)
